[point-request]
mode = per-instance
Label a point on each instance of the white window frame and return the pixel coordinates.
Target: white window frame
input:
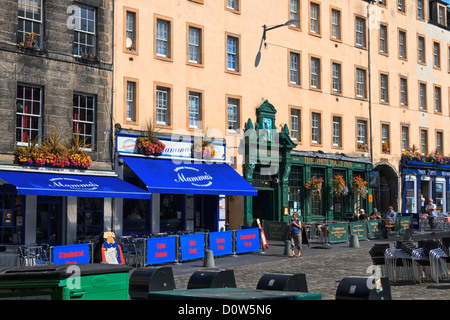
(337, 131)
(403, 91)
(131, 101)
(195, 44)
(295, 124)
(316, 135)
(28, 116)
(360, 32)
(361, 131)
(233, 115)
(33, 17)
(163, 38)
(232, 53)
(315, 73)
(294, 68)
(195, 110)
(85, 123)
(361, 83)
(384, 87)
(82, 20)
(162, 105)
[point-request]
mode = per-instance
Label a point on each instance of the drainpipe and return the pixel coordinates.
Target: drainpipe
(369, 67)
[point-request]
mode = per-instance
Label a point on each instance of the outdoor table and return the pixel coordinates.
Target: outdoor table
(231, 294)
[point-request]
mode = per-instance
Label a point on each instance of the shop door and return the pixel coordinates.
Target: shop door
(210, 212)
(49, 220)
(263, 205)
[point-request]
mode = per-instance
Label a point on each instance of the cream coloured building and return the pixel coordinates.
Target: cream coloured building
(353, 84)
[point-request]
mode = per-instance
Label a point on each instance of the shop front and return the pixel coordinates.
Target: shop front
(57, 207)
(188, 190)
(291, 181)
(432, 180)
(337, 197)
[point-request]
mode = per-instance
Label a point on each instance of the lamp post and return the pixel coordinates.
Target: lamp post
(263, 39)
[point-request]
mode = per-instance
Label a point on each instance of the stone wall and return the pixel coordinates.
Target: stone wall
(59, 73)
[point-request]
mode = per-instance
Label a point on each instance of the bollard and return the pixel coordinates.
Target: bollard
(208, 260)
(354, 242)
(287, 248)
(408, 234)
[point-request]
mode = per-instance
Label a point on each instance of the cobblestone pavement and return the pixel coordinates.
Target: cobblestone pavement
(324, 267)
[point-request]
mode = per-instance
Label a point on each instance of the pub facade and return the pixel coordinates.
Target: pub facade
(291, 181)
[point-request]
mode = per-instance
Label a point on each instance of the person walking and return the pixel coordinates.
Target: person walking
(296, 235)
(432, 215)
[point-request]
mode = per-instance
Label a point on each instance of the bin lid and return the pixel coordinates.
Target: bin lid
(60, 271)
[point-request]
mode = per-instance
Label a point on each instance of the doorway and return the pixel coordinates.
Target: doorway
(263, 205)
(49, 220)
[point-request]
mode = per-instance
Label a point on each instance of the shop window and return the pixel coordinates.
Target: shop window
(135, 214)
(294, 190)
(317, 203)
(171, 212)
(12, 218)
(89, 218)
(338, 201)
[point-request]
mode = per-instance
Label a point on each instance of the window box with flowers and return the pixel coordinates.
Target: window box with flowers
(385, 147)
(413, 155)
(52, 153)
(149, 144)
(314, 187)
(362, 146)
(204, 150)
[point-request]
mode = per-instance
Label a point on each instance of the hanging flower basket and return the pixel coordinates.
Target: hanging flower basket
(359, 187)
(314, 186)
(339, 188)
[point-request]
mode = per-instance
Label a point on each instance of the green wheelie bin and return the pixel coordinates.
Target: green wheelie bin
(96, 281)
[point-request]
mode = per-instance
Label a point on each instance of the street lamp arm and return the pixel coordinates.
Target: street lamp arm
(263, 39)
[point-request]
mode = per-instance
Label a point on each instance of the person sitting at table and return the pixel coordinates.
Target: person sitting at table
(362, 215)
(375, 215)
(388, 219)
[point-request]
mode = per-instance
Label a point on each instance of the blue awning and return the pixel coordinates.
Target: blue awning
(48, 184)
(166, 176)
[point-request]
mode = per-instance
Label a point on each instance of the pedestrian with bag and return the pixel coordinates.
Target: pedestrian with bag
(295, 234)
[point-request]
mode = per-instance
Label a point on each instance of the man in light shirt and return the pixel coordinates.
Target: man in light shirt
(432, 214)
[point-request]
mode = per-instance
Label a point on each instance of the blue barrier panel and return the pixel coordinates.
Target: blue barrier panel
(72, 254)
(161, 250)
(247, 240)
(192, 246)
(221, 243)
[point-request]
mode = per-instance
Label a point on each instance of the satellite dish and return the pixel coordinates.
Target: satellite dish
(129, 43)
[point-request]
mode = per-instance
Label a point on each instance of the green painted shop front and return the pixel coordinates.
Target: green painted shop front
(280, 173)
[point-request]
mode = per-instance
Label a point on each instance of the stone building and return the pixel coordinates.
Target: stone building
(344, 80)
(56, 69)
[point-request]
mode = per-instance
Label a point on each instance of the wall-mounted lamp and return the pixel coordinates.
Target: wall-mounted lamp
(263, 39)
